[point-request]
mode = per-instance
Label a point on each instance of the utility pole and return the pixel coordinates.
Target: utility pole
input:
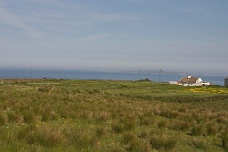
(30, 72)
(139, 74)
(160, 75)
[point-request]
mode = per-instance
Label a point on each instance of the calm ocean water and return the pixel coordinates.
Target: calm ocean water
(108, 75)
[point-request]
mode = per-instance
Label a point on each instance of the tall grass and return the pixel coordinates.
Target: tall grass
(91, 115)
(159, 141)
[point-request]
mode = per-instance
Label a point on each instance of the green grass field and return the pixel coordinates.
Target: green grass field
(98, 115)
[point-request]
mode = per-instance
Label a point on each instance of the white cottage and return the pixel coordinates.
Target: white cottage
(191, 81)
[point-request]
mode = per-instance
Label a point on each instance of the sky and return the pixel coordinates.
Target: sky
(179, 35)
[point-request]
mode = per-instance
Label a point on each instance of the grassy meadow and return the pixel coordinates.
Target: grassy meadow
(117, 116)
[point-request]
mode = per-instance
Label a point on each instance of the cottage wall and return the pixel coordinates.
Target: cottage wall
(199, 80)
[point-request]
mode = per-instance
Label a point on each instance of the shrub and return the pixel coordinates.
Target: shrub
(197, 117)
(162, 124)
(144, 134)
(128, 137)
(197, 130)
(44, 89)
(170, 143)
(225, 139)
(80, 137)
(50, 137)
(117, 128)
(129, 124)
(11, 116)
(212, 129)
(45, 136)
(159, 141)
(180, 125)
(115, 149)
(169, 114)
(200, 144)
(147, 121)
(102, 116)
(28, 116)
(100, 131)
(3, 118)
(156, 141)
(182, 109)
(48, 114)
(222, 118)
(138, 145)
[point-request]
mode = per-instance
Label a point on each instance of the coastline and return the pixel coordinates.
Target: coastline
(6, 73)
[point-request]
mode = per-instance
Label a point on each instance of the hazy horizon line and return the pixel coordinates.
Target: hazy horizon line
(132, 70)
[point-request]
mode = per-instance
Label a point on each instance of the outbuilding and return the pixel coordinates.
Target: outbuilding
(226, 82)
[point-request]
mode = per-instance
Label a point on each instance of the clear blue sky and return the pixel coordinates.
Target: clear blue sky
(115, 34)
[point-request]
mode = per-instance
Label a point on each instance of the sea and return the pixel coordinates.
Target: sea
(104, 75)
